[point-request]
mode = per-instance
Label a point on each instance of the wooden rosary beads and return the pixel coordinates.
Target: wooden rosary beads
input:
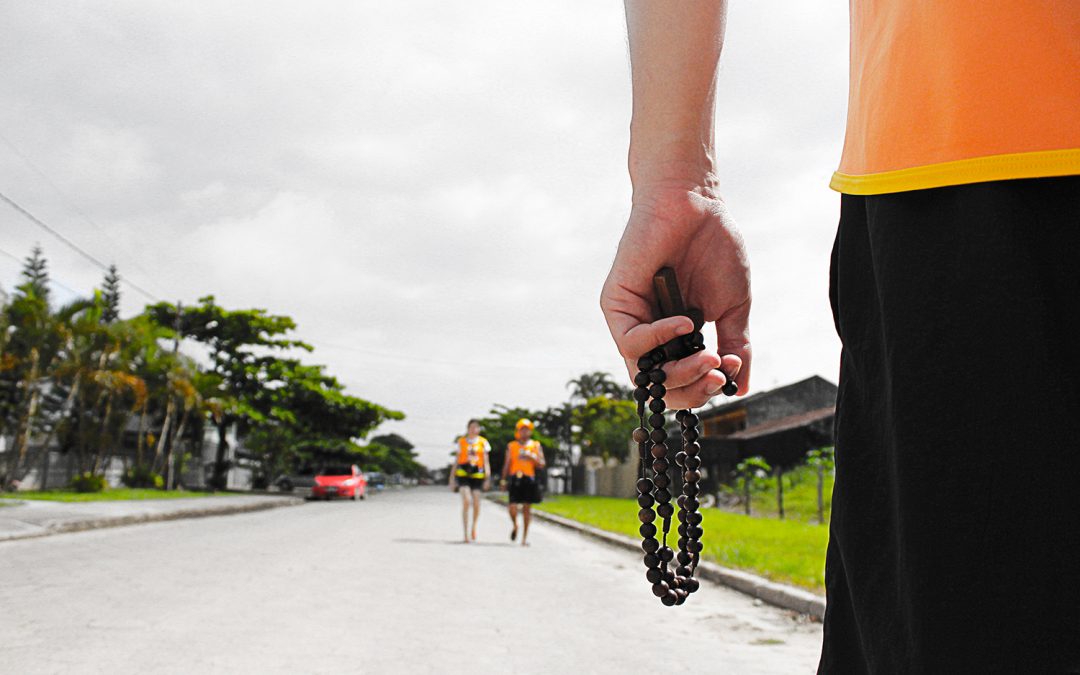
(672, 587)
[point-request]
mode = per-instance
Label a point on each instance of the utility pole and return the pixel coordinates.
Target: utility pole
(170, 469)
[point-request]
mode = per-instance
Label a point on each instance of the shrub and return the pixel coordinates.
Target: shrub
(142, 477)
(88, 482)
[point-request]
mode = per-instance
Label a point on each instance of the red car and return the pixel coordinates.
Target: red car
(340, 481)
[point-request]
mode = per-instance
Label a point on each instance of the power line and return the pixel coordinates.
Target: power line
(67, 200)
(442, 362)
(72, 245)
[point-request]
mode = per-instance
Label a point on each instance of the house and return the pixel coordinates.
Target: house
(781, 425)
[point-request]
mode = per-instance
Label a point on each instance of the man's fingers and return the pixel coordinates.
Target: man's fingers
(733, 345)
(690, 369)
(645, 337)
(697, 393)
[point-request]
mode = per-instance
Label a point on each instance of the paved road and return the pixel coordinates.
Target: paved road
(378, 586)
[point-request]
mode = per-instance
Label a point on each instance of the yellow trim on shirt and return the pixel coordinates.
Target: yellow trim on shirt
(976, 170)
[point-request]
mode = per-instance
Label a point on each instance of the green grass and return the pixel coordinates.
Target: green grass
(800, 496)
(113, 494)
(782, 550)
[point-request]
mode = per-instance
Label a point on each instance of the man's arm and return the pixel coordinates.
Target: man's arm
(677, 218)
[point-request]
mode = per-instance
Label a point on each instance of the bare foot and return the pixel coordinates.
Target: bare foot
(474, 534)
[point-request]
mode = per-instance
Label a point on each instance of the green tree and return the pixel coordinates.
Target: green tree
(237, 341)
(590, 385)
(110, 291)
(755, 473)
(605, 426)
(498, 428)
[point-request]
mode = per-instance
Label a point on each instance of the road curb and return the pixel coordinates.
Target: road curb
(82, 525)
(771, 592)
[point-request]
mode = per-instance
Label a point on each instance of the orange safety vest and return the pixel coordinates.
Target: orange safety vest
(522, 458)
(472, 454)
(947, 92)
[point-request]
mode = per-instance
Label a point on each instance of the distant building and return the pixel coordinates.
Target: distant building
(781, 425)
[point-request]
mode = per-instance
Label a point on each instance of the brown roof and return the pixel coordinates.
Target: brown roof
(782, 424)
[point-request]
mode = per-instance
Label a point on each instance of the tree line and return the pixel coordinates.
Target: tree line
(599, 418)
(80, 379)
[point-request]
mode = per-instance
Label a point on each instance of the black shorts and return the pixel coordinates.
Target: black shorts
(469, 482)
(523, 490)
(955, 538)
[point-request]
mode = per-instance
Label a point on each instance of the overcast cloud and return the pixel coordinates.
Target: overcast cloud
(433, 190)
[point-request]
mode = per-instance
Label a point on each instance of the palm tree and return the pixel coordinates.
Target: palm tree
(591, 385)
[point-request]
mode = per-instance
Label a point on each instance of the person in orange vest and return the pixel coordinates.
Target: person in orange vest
(954, 543)
(471, 476)
(523, 457)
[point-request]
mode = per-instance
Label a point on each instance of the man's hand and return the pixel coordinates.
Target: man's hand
(683, 225)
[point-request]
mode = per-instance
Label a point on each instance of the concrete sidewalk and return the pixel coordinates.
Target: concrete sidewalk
(33, 518)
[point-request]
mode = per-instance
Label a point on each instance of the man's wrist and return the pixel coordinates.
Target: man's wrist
(672, 168)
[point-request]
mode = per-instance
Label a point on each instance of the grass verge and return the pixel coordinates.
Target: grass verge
(781, 550)
(114, 494)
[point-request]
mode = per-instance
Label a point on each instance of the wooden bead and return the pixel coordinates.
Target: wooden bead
(690, 435)
(695, 532)
(658, 436)
(665, 510)
(663, 496)
(642, 379)
(695, 519)
(683, 515)
(644, 486)
(682, 530)
(657, 376)
(641, 434)
(646, 515)
(684, 558)
(647, 530)
(730, 389)
(680, 415)
(692, 462)
(690, 489)
(692, 546)
(660, 466)
(692, 504)
(661, 480)
(692, 449)
(670, 599)
(656, 420)
(680, 458)
(692, 476)
(651, 545)
(691, 585)
(660, 589)
(645, 501)
(645, 362)
(657, 391)
(681, 501)
(683, 571)
(654, 575)
(659, 450)
(690, 420)
(657, 406)
(641, 394)
(651, 560)
(680, 596)
(683, 541)
(666, 554)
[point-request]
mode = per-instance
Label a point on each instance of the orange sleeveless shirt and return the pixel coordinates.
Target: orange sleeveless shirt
(519, 457)
(472, 453)
(947, 92)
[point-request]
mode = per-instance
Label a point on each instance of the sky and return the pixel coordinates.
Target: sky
(432, 190)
